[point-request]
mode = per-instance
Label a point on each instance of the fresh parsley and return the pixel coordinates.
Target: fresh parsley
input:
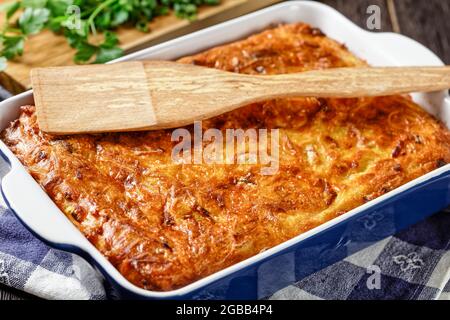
(78, 20)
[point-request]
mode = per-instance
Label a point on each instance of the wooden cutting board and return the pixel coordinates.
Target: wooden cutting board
(48, 49)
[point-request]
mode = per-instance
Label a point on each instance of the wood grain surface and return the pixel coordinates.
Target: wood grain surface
(427, 21)
(356, 10)
(423, 20)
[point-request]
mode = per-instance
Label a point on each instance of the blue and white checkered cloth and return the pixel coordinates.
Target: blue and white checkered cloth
(29, 265)
(414, 264)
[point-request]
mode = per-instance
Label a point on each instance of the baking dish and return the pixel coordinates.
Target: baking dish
(284, 264)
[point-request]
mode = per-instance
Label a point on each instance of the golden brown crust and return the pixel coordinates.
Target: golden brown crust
(164, 225)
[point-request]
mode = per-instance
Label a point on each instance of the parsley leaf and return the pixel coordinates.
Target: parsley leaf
(12, 8)
(85, 52)
(12, 46)
(33, 20)
(106, 54)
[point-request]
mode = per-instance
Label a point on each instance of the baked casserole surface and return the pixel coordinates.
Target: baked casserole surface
(164, 225)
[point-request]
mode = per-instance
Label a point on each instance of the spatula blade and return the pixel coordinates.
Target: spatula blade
(67, 98)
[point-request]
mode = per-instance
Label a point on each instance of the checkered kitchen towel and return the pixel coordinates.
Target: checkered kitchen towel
(414, 264)
(28, 264)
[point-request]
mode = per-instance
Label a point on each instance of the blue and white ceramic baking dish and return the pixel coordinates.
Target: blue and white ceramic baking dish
(288, 262)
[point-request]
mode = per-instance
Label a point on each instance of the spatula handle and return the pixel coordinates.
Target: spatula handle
(206, 92)
(354, 82)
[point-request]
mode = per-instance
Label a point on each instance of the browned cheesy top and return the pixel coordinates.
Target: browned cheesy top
(164, 225)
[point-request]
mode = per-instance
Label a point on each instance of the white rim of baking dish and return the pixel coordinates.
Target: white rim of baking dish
(23, 194)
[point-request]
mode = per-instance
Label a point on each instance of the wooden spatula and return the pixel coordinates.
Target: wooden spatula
(150, 95)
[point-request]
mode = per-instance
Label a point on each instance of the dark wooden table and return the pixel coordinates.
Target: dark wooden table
(423, 20)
